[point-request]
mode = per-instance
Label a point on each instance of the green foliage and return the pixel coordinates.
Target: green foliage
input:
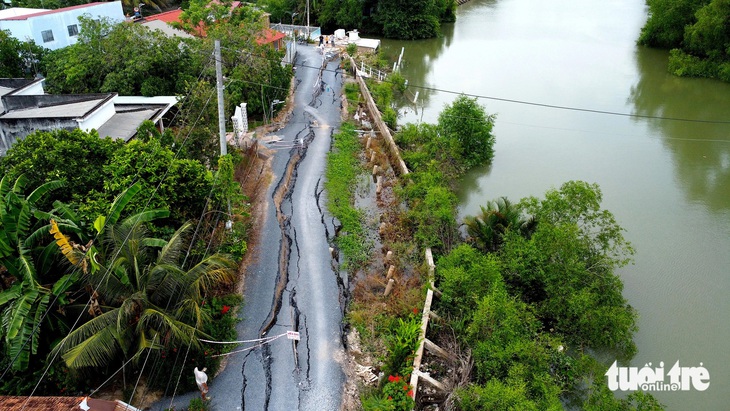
(341, 174)
(29, 291)
(464, 275)
(467, 123)
(566, 268)
(407, 19)
(696, 31)
(487, 230)
(197, 404)
(151, 299)
(18, 58)
(129, 59)
(398, 392)
(401, 344)
(74, 157)
(351, 49)
(167, 181)
(600, 398)
(667, 20)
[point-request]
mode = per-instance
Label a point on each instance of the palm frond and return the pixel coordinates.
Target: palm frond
(119, 203)
(96, 351)
(211, 272)
(44, 188)
(172, 251)
(145, 216)
(98, 330)
(10, 293)
(40, 309)
(156, 318)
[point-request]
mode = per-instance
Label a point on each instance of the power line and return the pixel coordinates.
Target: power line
(516, 101)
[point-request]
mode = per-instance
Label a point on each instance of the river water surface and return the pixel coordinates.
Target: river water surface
(666, 181)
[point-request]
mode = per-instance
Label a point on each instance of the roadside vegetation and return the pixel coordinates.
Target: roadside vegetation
(696, 33)
(404, 19)
(343, 169)
(530, 298)
(114, 257)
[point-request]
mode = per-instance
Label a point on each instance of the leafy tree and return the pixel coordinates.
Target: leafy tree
(146, 296)
(486, 230)
(18, 58)
(565, 269)
(75, 157)
(464, 276)
(709, 36)
(129, 59)
(32, 287)
(407, 19)
(466, 124)
(667, 20)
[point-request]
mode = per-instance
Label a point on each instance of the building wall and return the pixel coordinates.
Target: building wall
(98, 117)
(58, 23)
(17, 129)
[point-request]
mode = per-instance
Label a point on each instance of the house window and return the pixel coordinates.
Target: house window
(47, 35)
(73, 30)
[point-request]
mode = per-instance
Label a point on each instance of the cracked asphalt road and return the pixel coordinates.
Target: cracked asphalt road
(292, 284)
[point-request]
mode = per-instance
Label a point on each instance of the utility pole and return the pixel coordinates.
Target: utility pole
(219, 86)
(307, 20)
(221, 115)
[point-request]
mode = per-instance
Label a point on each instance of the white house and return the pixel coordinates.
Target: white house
(26, 109)
(55, 29)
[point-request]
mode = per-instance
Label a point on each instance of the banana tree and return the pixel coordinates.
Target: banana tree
(25, 297)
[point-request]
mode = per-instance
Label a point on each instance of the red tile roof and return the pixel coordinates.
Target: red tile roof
(270, 36)
(167, 17)
(17, 403)
(43, 13)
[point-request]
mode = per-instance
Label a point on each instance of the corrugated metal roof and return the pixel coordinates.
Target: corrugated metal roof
(70, 110)
(123, 125)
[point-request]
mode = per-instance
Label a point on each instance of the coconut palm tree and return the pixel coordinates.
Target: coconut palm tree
(142, 295)
(486, 230)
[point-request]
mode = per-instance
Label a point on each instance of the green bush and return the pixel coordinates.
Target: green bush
(351, 49)
(341, 174)
(401, 343)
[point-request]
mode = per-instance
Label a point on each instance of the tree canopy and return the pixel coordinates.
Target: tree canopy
(18, 58)
(535, 307)
(697, 33)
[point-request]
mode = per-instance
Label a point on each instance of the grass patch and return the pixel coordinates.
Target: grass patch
(343, 167)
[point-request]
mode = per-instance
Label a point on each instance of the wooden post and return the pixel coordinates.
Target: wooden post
(376, 170)
(367, 143)
(389, 257)
(378, 184)
(381, 229)
(389, 287)
(391, 271)
(372, 156)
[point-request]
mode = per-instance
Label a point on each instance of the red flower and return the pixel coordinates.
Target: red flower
(390, 398)
(391, 378)
(225, 309)
(405, 388)
(415, 310)
(410, 393)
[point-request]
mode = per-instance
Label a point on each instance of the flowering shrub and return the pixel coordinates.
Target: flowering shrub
(399, 393)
